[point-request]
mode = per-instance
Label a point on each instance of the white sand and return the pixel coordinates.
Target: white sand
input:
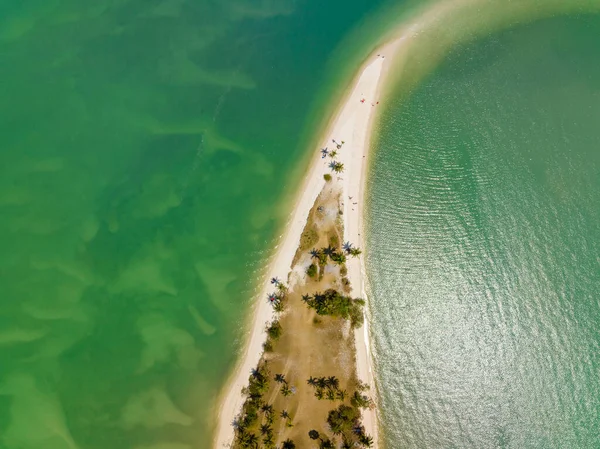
(354, 125)
(351, 125)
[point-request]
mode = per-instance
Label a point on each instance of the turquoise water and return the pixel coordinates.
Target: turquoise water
(146, 150)
(483, 245)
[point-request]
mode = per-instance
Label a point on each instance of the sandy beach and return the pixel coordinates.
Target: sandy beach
(352, 124)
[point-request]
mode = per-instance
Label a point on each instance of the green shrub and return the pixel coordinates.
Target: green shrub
(327, 177)
(309, 238)
(360, 400)
(333, 303)
(339, 258)
(274, 330)
(312, 270)
(343, 419)
(334, 241)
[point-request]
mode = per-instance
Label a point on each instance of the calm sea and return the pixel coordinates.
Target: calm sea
(146, 147)
(484, 246)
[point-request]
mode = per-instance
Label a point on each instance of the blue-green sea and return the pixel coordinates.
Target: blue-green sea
(484, 245)
(147, 149)
(148, 152)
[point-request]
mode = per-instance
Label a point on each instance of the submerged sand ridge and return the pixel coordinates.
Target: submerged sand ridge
(351, 125)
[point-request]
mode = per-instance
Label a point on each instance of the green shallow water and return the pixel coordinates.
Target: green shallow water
(483, 245)
(145, 150)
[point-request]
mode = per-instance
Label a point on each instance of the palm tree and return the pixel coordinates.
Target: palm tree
(275, 281)
(329, 251)
(280, 378)
(346, 444)
(319, 394)
(268, 440)
(333, 382)
(366, 440)
(285, 414)
(306, 298)
(285, 390)
(355, 252)
(242, 435)
(324, 151)
(360, 400)
(265, 429)
(312, 381)
(332, 165)
(338, 167)
(333, 154)
(267, 409)
(330, 395)
(326, 444)
(315, 253)
(347, 247)
(321, 382)
(288, 444)
(272, 298)
(341, 395)
(250, 440)
(313, 434)
(339, 258)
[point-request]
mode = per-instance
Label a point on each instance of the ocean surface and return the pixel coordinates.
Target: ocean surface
(483, 220)
(148, 152)
(147, 149)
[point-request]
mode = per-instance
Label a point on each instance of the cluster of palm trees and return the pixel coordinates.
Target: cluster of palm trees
(333, 303)
(254, 428)
(258, 385)
(276, 299)
(344, 422)
(327, 388)
(286, 390)
(255, 406)
(334, 165)
(324, 443)
(359, 400)
(351, 250)
(331, 252)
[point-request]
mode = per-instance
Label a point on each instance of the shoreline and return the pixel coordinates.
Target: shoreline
(352, 123)
(354, 186)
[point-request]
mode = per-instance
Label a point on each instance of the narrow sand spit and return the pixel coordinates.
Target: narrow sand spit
(351, 125)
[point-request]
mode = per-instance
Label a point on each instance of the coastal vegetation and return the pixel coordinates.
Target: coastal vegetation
(304, 392)
(332, 303)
